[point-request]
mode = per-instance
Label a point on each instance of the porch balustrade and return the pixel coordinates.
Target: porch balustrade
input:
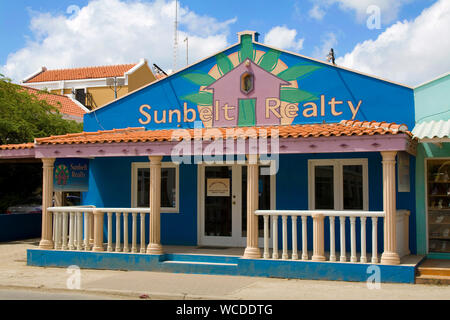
(318, 221)
(81, 228)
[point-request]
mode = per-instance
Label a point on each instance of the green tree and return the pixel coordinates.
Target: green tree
(24, 116)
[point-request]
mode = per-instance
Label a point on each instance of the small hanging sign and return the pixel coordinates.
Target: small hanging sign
(218, 187)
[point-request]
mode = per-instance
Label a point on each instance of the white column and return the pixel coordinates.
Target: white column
(154, 247)
(47, 196)
(275, 237)
(374, 240)
(363, 258)
(284, 255)
(390, 255)
(266, 237)
(304, 238)
(125, 232)
(343, 257)
(134, 233)
(318, 238)
(109, 247)
(332, 239)
(118, 231)
(98, 230)
(71, 230)
(252, 250)
(79, 231)
(64, 230)
(294, 238)
(353, 257)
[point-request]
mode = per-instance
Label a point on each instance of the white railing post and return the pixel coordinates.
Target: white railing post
(125, 232)
(109, 248)
(304, 238)
(374, 240)
(64, 231)
(143, 248)
(79, 231)
(332, 239)
(353, 257)
(363, 258)
(98, 230)
(118, 231)
(275, 237)
(72, 231)
(134, 233)
(285, 255)
(266, 237)
(294, 238)
(58, 231)
(86, 230)
(343, 257)
(318, 238)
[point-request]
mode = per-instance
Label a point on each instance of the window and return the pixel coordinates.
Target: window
(247, 82)
(340, 184)
(140, 184)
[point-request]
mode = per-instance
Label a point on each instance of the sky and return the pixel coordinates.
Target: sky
(405, 41)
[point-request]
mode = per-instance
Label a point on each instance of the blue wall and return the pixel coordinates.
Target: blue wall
(20, 226)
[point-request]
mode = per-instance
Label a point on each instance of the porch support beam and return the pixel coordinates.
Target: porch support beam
(252, 250)
(390, 255)
(47, 199)
(154, 247)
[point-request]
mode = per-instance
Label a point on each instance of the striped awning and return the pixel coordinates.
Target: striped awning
(433, 131)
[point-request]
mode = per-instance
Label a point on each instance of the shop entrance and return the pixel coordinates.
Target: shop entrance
(223, 204)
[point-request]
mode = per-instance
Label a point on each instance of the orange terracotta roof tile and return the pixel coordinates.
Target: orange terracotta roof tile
(344, 128)
(64, 104)
(81, 73)
(29, 145)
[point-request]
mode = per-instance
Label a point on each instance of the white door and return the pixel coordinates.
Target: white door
(223, 204)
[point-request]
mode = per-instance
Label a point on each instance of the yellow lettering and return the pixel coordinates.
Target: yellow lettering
(352, 108)
(163, 120)
(291, 110)
(145, 113)
(333, 104)
(322, 105)
(225, 109)
(188, 111)
(217, 110)
(172, 112)
(310, 112)
(272, 108)
(205, 114)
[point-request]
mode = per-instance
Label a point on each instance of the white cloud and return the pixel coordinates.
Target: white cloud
(116, 31)
(409, 52)
(316, 12)
(283, 38)
(389, 8)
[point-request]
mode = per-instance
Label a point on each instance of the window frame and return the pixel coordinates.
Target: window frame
(135, 166)
(338, 181)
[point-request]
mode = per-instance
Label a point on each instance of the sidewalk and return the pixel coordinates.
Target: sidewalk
(14, 273)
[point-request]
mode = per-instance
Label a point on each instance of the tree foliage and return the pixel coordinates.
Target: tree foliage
(24, 116)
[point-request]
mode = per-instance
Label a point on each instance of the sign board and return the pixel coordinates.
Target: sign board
(218, 187)
(71, 175)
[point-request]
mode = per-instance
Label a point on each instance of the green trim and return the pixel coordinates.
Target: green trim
(438, 255)
(247, 112)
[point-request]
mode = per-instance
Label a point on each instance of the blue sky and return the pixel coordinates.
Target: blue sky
(42, 32)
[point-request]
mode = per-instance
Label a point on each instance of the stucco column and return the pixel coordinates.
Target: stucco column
(318, 238)
(98, 230)
(390, 255)
(252, 250)
(47, 201)
(154, 247)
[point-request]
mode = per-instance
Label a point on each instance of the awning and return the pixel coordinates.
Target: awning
(432, 131)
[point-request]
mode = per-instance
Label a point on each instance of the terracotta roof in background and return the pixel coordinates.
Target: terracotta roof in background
(29, 145)
(82, 73)
(64, 104)
(344, 128)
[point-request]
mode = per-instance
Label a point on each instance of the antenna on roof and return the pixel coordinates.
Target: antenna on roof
(330, 56)
(175, 43)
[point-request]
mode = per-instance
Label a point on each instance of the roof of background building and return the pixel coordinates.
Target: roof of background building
(432, 129)
(64, 104)
(81, 73)
(344, 128)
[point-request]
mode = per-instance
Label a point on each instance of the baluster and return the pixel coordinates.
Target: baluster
(304, 238)
(353, 257)
(125, 232)
(332, 239)
(58, 230)
(79, 231)
(275, 237)
(54, 228)
(118, 231)
(91, 229)
(86, 230)
(374, 240)
(285, 255)
(294, 238)
(143, 248)
(64, 231)
(109, 248)
(343, 258)
(266, 237)
(134, 233)
(71, 231)
(363, 258)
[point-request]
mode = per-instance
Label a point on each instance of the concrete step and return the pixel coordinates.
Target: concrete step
(433, 271)
(433, 279)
